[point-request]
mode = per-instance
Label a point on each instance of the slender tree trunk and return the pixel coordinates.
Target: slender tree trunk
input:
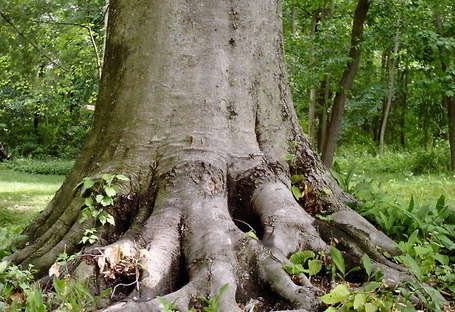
(203, 139)
(390, 91)
(293, 18)
(315, 20)
(450, 103)
(321, 104)
(404, 107)
(346, 82)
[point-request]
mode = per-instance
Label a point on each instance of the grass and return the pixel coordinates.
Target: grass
(23, 195)
(392, 175)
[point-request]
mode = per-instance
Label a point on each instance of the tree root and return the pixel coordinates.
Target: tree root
(185, 245)
(191, 225)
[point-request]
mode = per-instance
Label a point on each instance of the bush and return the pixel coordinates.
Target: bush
(432, 161)
(50, 166)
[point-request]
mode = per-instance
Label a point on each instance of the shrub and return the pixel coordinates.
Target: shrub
(50, 166)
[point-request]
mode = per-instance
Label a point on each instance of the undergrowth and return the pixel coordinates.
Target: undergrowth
(425, 234)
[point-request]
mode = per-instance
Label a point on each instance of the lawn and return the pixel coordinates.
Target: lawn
(23, 195)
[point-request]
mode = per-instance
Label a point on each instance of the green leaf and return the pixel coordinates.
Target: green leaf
(359, 301)
(338, 259)
(314, 266)
(107, 201)
(110, 191)
(297, 178)
(107, 177)
(3, 266)
(122, 177)
(89, 202)
(367, 265)
(110, 219)
(331, 309)
(88, 183)
(371, 286)
(338, 294)
(370, 307)
(294, 269)
(300, 257)
(99, 198)
(252, 234)
(296, 192)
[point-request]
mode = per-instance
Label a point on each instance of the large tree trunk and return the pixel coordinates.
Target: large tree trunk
(194, 107)
(346, 82)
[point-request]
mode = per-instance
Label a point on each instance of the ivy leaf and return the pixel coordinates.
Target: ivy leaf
(122, 177)
(338, 259)
(107, 201)
(87, 183)
(110, 219)
(338, 294)
(99, 198)
(108, 178)
(89, 202)
(110, 191)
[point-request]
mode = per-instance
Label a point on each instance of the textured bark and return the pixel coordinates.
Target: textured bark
(346, 82)
(194, 107)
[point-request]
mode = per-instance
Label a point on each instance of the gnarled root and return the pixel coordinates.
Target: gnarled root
(188, 243)
(192, 225)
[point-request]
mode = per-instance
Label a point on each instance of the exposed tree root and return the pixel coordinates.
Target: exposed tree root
(187, 245)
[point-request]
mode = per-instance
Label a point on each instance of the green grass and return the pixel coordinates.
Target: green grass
(23, 195)
(392, 175)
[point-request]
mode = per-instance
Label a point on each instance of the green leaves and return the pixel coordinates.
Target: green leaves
(314, 266)
(99, 194)
(303, 262)
(338, 260)
(340, 293)
(367, 265)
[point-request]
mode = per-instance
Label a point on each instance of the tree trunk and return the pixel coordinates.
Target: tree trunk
(450, 102)
(403, 106)
(345, 83)
(390, 91)
(195, 109)
(323, 96)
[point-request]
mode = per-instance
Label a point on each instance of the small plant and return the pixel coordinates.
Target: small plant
(98, 194)
(167, 306)
(305, 261)
(213, 304)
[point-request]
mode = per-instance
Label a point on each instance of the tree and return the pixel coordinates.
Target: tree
(346, 82)
(194, 108)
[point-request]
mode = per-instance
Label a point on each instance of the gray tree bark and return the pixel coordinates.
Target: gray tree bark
(194, 107)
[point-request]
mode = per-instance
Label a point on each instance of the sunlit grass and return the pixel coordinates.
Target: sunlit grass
(23, 195)
(391, 175)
